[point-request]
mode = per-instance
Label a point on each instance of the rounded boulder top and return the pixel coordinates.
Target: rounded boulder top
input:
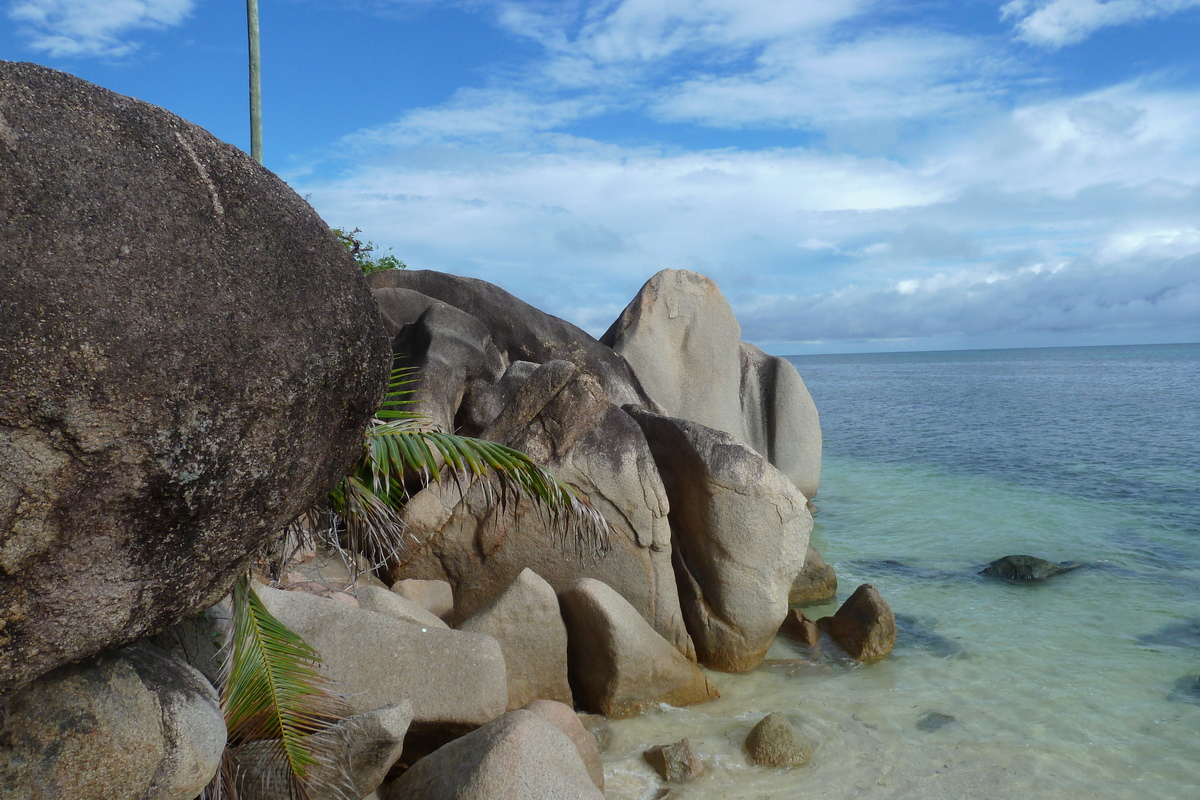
(189, 359)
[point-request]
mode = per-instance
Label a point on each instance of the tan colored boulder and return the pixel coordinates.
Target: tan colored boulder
(864, 626)
(526, 621)
(389, 603)
(561, 417)
(454, 680)
(676, 762)
(519, 756)
(801, 628)
(132, 722)
(776, 742)
(681, 338)
(566, 720)
(816, 583)
(619, 665)
(435, 596)
(740, 532)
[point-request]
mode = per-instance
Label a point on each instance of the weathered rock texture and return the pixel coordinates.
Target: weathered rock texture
(619, 666)
(816, 583)
(133, 723)
(864, 626)
(562, 418)
(740, 532)
(189, 360)
(675, 762)
(1026, 568)
(680, 336)
(517, 757)
(525, 620)
(454, 680)
(776, 742)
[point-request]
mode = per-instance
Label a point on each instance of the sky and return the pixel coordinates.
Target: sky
(855, 175)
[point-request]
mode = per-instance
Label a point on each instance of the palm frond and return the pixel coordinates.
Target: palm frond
(279, 708)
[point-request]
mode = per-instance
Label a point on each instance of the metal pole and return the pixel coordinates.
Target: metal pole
(255, 82)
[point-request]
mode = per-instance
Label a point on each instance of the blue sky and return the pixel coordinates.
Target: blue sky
(856, 175)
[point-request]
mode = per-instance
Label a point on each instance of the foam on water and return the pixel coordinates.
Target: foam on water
(1070, 688)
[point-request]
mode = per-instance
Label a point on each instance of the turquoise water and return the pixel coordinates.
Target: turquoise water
(936, 463)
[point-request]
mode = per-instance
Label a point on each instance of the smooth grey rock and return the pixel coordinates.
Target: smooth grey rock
(133, 723)
(566, 720)
(190, 357)
(619, 665)
(864, 626)
(740, 533)
(682, 340)
(932, 720)
(525, 620)
(563, 420)
(385, 601)
(454, 680)
(776, 742)
(435, 596)
(1026, 568)
(676, 762)
(517, 757)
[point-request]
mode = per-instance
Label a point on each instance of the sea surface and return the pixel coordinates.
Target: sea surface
(1083, 686)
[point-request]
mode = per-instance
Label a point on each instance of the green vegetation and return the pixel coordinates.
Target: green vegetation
(273, 696)
(361, 252)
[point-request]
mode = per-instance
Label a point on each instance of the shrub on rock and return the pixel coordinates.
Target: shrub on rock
(189, 360)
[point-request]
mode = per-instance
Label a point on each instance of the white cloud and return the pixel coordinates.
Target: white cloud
(66, 28)
(1056, 23)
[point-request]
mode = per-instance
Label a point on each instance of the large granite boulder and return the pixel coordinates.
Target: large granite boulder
(517, 330)
(132, 722)
(517, 757)
(189, 360)
(454, 680)
(740, 533)
(619, 666)
(681, 338)
(816, 583)
(525, 620)
(566, 720)
(562, 418)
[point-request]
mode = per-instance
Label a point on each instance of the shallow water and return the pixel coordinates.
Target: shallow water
(1077, 687)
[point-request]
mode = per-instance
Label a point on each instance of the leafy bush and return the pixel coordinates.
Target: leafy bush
(361, 252)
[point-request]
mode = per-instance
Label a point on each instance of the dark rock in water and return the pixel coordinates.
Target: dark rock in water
(1187, 690)
(890, 566)
(864, 626)
(676, 762)
(912, 633)
(1026, 568)
(189, 359)
(1184, 634)
(932, 720)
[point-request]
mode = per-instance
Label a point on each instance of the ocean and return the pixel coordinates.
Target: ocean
(1083, 686)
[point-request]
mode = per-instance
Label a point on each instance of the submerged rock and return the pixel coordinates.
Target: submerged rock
(1187, 690)
(1026, 568)
(915, 634)
(189, 360)
(1184, 634)
(932, 720)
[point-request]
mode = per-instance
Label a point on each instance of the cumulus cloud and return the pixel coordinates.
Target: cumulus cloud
(1056, 23)
(73, 28)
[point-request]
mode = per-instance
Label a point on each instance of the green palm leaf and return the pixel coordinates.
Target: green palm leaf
(276, 702)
